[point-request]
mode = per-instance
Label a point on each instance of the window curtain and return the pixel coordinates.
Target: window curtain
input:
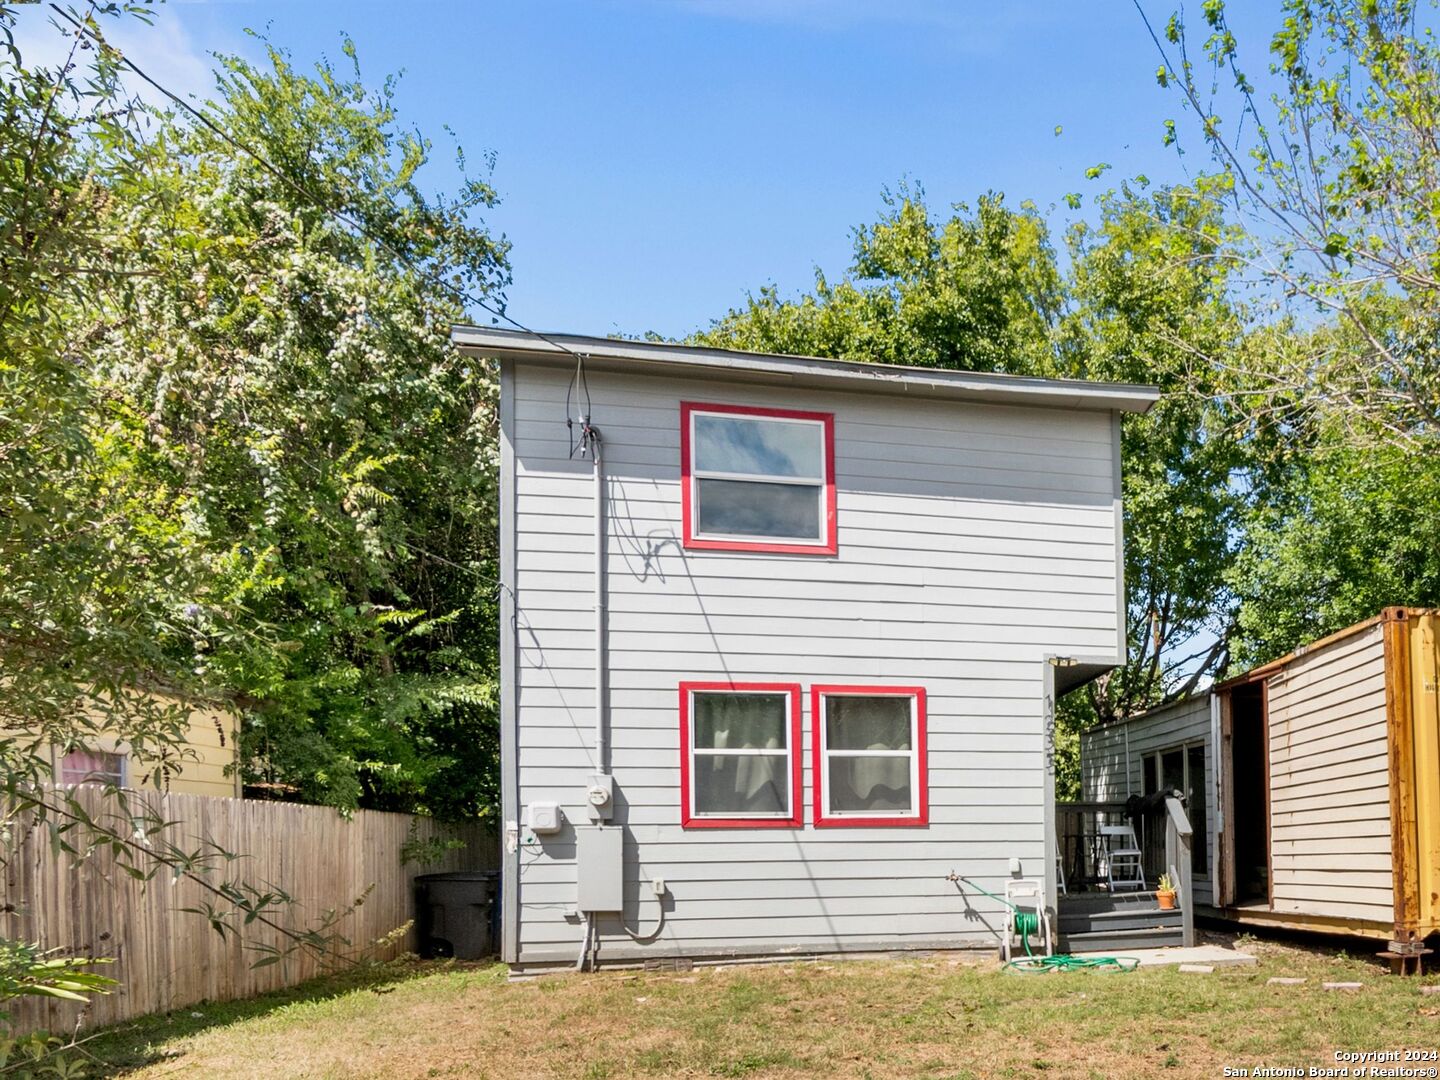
(747, 783)
(866, 726)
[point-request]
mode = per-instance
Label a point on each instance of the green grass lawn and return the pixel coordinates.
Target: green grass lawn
(935, 1016)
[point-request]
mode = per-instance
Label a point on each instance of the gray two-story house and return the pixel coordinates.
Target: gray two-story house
(781, 639)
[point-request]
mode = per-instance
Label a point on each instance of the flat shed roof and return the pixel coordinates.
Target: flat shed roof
(807, 370)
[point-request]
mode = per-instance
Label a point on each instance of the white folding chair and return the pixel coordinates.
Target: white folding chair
(1123, 860)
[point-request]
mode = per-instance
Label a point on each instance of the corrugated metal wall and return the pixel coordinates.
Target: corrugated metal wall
(1106, 775)
(1329, 781)
(974, 540)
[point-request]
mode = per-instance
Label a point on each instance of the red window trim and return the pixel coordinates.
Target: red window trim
(922, 808)
(830, 546)
(797, 792)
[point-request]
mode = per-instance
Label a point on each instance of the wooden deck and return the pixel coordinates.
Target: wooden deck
(1092, 919)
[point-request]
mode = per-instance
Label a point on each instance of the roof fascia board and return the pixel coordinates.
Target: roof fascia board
(837, 374)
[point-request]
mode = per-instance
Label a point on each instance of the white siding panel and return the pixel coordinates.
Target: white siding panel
(1106, 775)
(1329, 781)
(974, 540)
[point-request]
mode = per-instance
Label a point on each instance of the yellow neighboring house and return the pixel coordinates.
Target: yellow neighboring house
(210, 771)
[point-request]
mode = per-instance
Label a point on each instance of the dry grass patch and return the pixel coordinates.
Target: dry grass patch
(925, 1017)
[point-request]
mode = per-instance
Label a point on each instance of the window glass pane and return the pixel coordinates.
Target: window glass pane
(92, 767)
(1152, 774)
(1195, 810)
(869, 784)
(740, 444)
(867, 723)
(740, 721)
(753, 784)
(743, 508)
(1172, 770)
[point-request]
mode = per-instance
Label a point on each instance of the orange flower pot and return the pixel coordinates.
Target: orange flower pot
(1167, 900)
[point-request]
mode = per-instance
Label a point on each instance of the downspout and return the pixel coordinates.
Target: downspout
(602, 749)
(591, 439)
(1129, 788)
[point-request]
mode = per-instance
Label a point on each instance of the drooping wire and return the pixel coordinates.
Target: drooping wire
(580, 379)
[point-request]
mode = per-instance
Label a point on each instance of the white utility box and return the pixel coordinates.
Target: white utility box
(599, 868)
(544, 817)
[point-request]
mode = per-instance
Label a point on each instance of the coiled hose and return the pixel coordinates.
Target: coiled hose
(1027, 923)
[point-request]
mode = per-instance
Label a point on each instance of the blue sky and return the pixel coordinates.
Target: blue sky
(657, 159)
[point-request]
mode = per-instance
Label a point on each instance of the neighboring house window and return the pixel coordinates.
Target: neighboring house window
(757, 479)
(869, 746)
(93, 767)
(739, 755)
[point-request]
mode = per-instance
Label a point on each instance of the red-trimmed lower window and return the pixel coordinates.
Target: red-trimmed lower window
(740, 755)
(755, 479)
(869, 747)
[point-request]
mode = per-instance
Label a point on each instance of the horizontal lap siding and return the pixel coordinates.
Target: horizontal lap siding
(1107, 776)
(1329, 782)
(973, 541)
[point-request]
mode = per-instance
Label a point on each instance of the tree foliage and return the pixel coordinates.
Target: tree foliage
(975, 291)
(283, 341)
(117, 588)
(1149, 301)
(1355, 533)
(243, 463)
(1333, 159)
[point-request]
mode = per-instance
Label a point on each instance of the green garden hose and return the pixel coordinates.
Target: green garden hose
(1027, 923)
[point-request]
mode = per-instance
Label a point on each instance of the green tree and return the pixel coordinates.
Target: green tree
(244, 464)
(280, 338)
(1149, 301)
(1355, 534)
(975, 292)
(1333, 173)
(95, 571)
(109, 597)
(1332, 170)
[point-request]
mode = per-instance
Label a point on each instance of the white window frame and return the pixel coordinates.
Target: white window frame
(114, 750)
(1154, 756)
(824, 540)
(789, 694)
(919, 812)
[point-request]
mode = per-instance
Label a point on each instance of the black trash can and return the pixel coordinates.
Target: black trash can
(454, 913)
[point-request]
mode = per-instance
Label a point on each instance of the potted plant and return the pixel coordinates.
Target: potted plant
(1165, 893)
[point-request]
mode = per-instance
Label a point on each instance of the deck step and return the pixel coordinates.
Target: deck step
(1080, 922)
(1115, 942)
(1103, 901)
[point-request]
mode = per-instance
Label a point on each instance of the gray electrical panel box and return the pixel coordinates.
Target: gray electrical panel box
(600, 868)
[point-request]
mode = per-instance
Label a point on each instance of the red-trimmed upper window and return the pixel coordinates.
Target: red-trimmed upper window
(869, 746)
(740, 755)
(758, 479)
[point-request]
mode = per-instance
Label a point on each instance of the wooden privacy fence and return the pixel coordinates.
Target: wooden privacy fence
(167, 958)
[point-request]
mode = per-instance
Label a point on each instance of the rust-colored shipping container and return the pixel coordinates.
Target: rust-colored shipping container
(1329, 783)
